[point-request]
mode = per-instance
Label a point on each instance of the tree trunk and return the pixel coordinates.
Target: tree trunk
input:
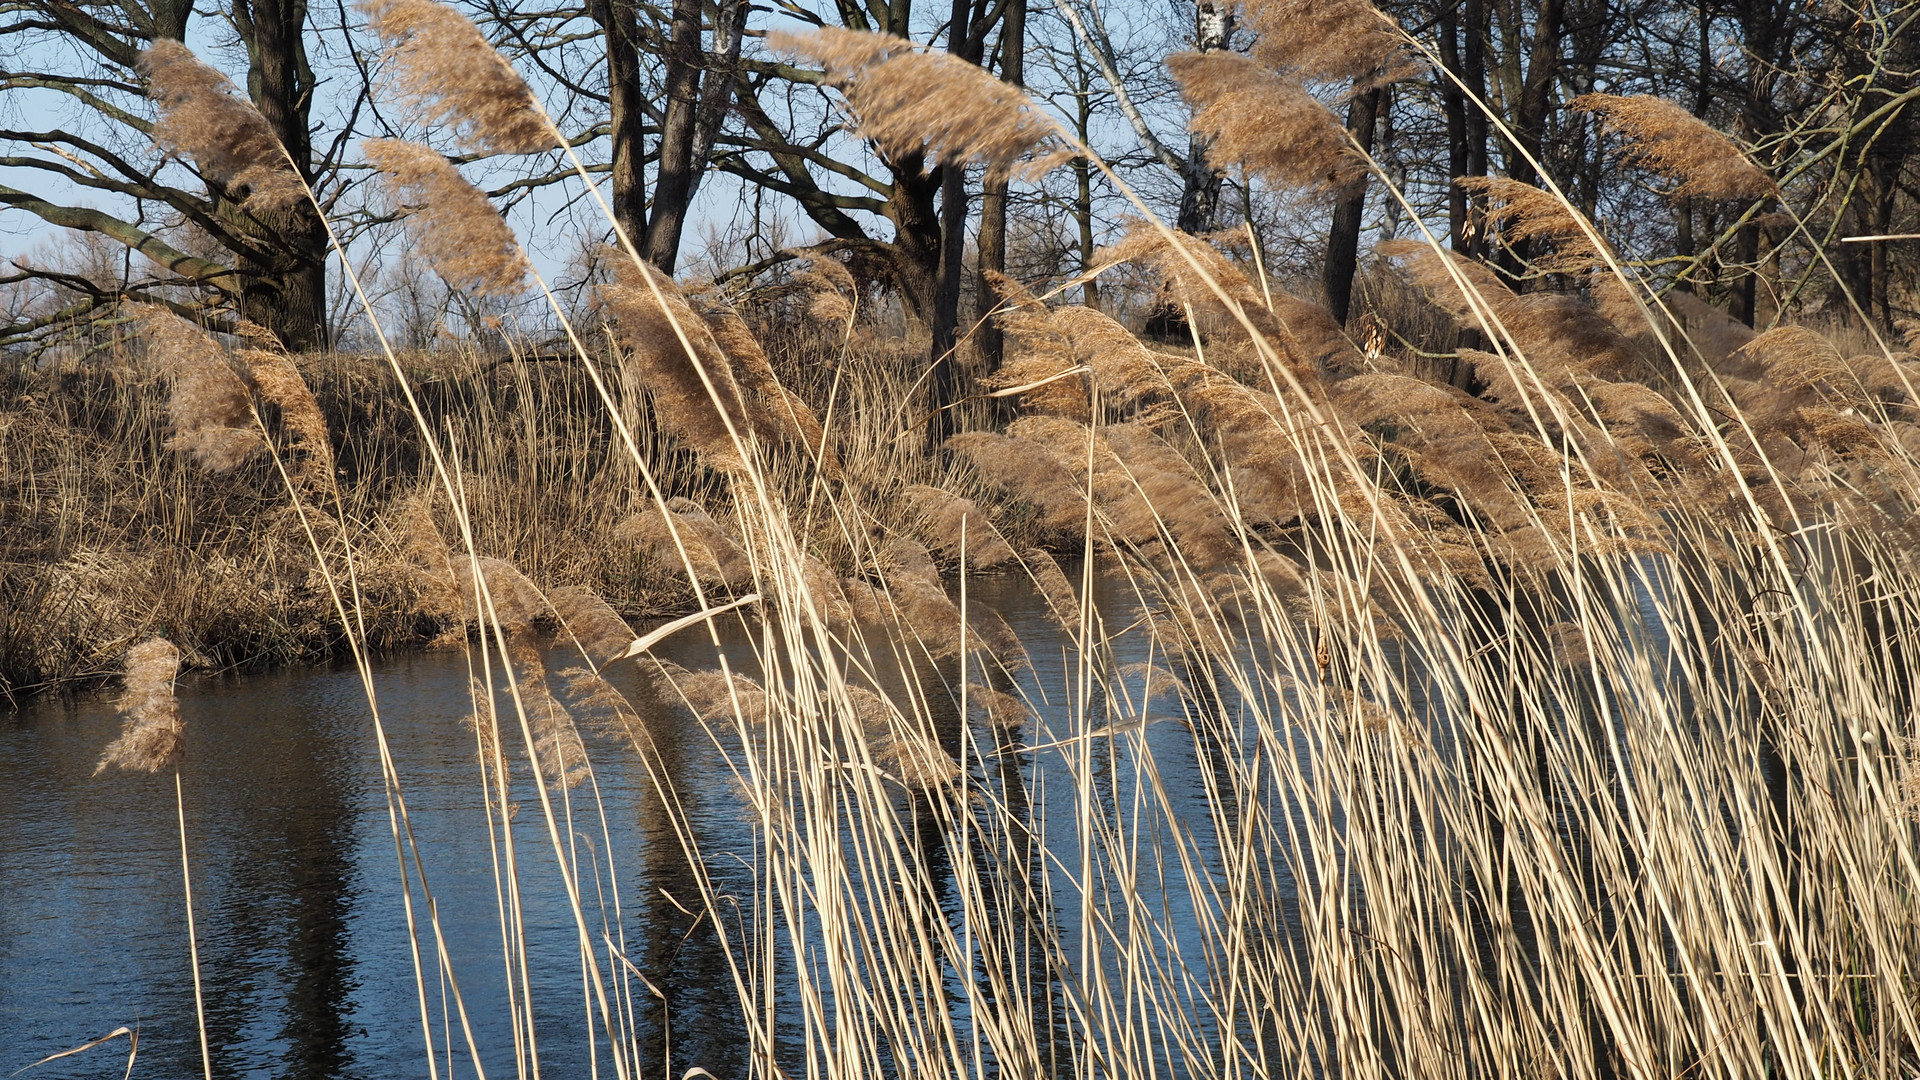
(674, 186)
(944, 365)
(993, 197)
(1343, 236)
(627, 117)
(285, 290)
(1200, 184)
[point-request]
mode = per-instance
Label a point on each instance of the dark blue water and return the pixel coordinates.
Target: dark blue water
(305, 957)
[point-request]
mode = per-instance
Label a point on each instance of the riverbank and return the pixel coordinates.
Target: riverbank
(109, 535)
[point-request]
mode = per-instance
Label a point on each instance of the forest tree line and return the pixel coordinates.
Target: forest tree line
(667, 102)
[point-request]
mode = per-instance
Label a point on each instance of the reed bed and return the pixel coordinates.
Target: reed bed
(1562, 730)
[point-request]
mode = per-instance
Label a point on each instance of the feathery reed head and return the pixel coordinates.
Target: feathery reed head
(203, 116)
(1674, 143)
(650, 315)
(598, 629)
(1528, 213)
(151, 737)
(1327, 39)
(453, 77)
(910, 100)
(465, 240)
(944, 520)
(209, 406)
(279, 383)
(1264, 122)
(510, 600)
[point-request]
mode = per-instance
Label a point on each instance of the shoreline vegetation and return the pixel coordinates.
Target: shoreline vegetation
(1552, 695)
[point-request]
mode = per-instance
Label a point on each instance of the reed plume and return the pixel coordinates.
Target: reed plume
(209, 407)
(944, 520)
(556, 738)
(204, 116)
(1031, 472)
(152, 734)
(776, 410)
(715, 557)
(1672, 142)
(603, 636)
(1264, 122)
(451, 77)
(516, 603)
(453, 224)
(280, 384)
(908, 100)
(1345, 40)
(1525, 213)
(650, 314)
(1062, 602)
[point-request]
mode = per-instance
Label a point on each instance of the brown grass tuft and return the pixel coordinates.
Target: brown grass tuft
(716, 558)
(152, 735)
(1264, 122)
(204, 116)
(453, 78)
(1669, 140)
(909, 100)
(456, 228)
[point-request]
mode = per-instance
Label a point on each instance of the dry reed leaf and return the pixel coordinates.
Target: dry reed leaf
(205, 117)
(465, 241)
(1264, 122)
(909, 100)
(451, 77)
(152, 735)
(1668, 140)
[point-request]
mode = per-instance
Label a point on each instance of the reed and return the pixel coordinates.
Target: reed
(1561, 730)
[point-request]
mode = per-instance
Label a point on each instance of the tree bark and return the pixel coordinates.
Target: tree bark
(674, 186)
(993, 197)
(285, 290)
(1343, 236)
(627, 118)
(944, 365)
(1200, 182)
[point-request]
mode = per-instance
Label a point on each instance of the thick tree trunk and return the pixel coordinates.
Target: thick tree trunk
(1343, 236)
(674, 186)
(286, 289)
(945, 367)
(1200, 185)
(993, 196)
(627, 118)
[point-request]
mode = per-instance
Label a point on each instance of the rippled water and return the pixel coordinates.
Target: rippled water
(304, 949)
